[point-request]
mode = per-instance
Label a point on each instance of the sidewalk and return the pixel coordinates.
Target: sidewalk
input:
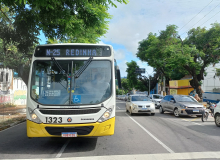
(10, 116)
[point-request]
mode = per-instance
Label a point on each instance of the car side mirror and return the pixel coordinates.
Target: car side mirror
(172, 101)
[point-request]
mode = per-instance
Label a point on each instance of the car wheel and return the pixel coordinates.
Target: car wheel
(161, 110)
(176, 113)
(152, 114)
(217, 119)
(131, 112)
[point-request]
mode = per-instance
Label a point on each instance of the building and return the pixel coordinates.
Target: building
(211, 84)
(181, 86)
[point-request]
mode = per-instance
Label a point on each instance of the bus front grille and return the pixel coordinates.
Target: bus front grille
(80, 130)
(68, 111)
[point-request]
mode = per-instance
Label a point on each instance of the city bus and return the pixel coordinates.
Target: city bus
(71, 91)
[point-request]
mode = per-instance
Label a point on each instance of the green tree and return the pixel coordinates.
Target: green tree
(120, 92)
(125, 85)
(141, 86)
(169, 53)
(131, 75)
(72, 21)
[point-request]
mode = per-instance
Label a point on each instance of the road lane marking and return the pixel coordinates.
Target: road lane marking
(62, 149)
(157, 156)
(195, 119)
(118, 107)
(150, 134)
(192, 122)
(188, 120)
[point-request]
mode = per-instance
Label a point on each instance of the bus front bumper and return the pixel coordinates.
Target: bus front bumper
(105, 128)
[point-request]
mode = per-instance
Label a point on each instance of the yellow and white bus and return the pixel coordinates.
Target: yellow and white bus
(71, 91)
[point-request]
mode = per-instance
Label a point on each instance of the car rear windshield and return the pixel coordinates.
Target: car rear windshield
(140, 98)
(157, 97)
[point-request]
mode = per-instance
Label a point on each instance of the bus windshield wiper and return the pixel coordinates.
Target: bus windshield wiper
(83, 68)
(59, 67)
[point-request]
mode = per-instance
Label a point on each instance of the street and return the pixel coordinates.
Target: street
(141, 136)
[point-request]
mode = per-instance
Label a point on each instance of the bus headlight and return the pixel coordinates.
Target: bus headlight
(107, 114)
(33, 116)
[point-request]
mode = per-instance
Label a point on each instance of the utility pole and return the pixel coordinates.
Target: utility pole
(149, 84)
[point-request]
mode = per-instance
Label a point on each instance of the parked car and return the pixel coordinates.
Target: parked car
(123, 97)
(156, 98)
(140, 104)
(217, 114)
(126, 96)
(181, 105)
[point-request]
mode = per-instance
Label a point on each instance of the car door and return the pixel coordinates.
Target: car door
(164, 102)
(171, 105)
(128, 103)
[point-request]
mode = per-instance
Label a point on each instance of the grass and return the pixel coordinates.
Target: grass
(12, 121)
(7, 105)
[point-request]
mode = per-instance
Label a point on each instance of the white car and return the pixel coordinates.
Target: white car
(140, 104)
(217, 114)
(156, 98)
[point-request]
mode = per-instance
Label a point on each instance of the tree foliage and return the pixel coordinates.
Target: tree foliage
(72, 21)
(170, 54)
(138, 81)
(125, 85)
(131, 75)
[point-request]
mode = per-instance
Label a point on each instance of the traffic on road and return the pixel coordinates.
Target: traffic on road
(162, 136)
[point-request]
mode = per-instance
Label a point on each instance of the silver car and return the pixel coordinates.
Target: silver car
(156, 98)
(181, 105)
(140, 104)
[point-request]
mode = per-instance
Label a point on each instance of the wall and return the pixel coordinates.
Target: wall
(12, 89)
(20, 91)
(180, 83)
(184, 91)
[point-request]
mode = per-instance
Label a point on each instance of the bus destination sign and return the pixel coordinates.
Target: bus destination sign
(43, 51)
(73, 52)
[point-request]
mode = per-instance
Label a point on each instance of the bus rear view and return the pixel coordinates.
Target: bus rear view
(71, 91)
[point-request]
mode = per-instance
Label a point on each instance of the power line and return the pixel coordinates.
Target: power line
(204, 17)
(210, 18)
(196, 15)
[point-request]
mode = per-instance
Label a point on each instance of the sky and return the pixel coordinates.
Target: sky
(133, 22)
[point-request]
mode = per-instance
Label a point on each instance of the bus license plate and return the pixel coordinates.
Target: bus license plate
(69, 134)
(195, 110)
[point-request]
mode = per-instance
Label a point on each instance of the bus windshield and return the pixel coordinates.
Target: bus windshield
(51, 86)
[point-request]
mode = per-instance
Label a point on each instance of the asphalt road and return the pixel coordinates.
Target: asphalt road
(142, 136)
